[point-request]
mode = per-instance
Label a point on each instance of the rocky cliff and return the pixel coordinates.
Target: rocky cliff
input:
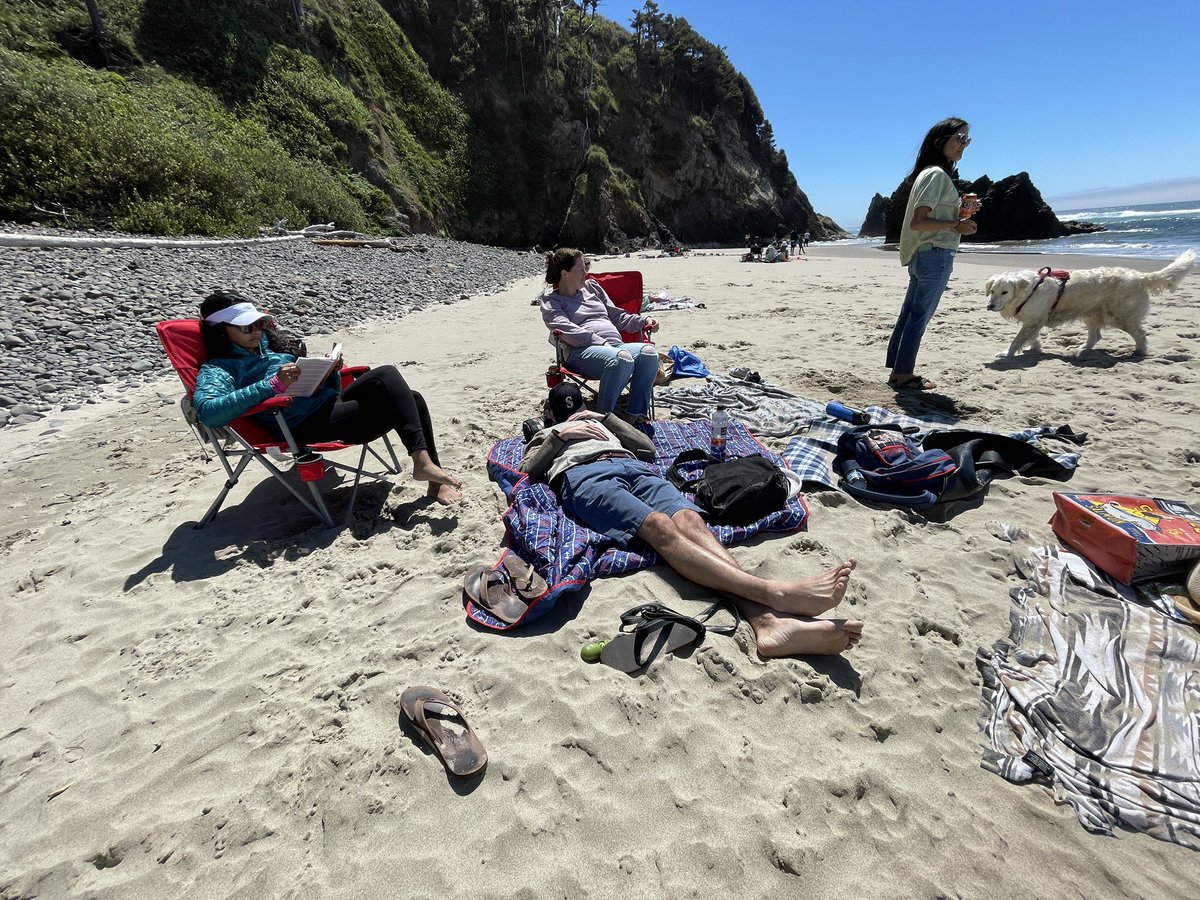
(585, 133)
(1013, 210)
(500, 121)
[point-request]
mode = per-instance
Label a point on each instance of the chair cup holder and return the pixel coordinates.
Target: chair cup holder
(310, 466)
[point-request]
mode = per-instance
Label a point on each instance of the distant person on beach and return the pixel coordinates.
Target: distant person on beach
(805, 242)
(795, 237)
(590, 324)
(929, 236)
(248, 363)
(591, 462)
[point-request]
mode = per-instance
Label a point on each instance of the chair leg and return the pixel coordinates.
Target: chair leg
(316, 505)
(393, 467)
(362, 461)
(234, 474)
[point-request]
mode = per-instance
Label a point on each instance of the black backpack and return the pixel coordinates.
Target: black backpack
(881, 464)
(736, 491)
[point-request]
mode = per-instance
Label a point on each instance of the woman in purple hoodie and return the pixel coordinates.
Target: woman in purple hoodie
(591, 325)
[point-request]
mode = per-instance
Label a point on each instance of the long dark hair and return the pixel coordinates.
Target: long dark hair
(216, 340)
(932, 151)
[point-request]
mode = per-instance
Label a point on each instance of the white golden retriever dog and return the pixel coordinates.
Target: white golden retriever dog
(1105, 297)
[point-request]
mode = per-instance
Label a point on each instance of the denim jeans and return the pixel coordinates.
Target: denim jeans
(605, 362)
(928, 274)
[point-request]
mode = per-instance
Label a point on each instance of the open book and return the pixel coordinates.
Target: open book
(313, 372)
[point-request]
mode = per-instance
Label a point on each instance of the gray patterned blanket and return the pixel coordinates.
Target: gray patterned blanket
(1096, 693)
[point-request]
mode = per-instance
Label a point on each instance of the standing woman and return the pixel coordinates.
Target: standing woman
(929, 237)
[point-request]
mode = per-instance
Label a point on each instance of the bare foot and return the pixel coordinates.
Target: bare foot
(444, 494)
(425, 469)
(811, 596)
(790, 636)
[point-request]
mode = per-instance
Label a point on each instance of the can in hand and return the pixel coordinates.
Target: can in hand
(967, 206)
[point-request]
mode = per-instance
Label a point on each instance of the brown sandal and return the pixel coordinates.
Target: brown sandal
(460, 750)
(507, 590)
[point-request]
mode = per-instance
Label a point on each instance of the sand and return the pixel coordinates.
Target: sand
(215, 713)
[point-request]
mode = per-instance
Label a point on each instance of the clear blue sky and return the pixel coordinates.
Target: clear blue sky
(1084, 96)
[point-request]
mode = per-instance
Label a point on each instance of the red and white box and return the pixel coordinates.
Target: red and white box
(1130, 538)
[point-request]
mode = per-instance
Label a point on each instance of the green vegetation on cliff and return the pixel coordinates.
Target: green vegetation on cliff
(508, 121)
(215, 116)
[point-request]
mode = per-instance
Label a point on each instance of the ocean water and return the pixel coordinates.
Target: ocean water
(1151, 231)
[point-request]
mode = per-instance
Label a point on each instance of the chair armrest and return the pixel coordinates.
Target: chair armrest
(279, 401)
(561, 349)
(349, 373)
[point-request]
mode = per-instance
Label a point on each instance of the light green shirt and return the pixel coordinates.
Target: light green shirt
(932, 188)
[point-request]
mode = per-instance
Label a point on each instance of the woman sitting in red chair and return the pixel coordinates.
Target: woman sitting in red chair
(581, 315)
(248, 364)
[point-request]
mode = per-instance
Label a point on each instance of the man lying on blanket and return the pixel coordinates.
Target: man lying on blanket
(591, 461)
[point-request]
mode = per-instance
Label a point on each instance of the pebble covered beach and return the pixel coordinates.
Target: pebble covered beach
(77, 323)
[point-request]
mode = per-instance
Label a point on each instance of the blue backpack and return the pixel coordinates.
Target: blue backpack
(880, 464)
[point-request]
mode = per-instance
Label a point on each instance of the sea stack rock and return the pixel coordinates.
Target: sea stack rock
(1013, 210)
(875, 224)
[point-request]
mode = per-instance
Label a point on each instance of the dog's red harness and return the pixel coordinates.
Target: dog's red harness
(1044, 273)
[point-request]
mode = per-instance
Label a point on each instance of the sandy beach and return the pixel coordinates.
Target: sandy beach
(215, 713)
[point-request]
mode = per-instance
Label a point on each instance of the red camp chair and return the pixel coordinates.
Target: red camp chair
(244, 440)
(625, 291)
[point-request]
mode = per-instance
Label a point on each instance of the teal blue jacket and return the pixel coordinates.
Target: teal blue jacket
(230, 386)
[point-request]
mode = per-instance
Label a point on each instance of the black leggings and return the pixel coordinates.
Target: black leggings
(378, 401)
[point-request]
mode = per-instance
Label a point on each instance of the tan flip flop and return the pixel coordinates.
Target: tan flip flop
(507, 590)
(430, 710)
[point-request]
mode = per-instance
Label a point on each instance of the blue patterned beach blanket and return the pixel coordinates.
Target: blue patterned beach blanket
(568, 554)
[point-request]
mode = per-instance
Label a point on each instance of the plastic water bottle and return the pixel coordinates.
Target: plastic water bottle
(719, 422)
(847, 414)
(854, 476)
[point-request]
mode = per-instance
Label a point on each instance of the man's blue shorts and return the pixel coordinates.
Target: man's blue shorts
(614, 496)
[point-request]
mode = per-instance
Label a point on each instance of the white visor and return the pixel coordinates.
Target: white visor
(237, 314)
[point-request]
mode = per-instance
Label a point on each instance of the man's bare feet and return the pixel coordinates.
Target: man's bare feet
(444, 494)
(811, 596)
(778, 635)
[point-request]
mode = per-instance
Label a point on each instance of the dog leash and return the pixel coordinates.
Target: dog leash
(1046, 272)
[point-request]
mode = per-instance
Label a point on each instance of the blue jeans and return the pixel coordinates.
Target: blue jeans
(618, 365)
(928, 274)
(614, 496)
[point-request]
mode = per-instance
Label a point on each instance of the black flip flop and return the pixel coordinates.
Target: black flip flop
(721, 606)
(646, 632)
(916, 383)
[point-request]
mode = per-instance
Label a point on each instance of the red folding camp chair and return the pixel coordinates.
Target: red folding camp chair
(244, 440)
(625, 291)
